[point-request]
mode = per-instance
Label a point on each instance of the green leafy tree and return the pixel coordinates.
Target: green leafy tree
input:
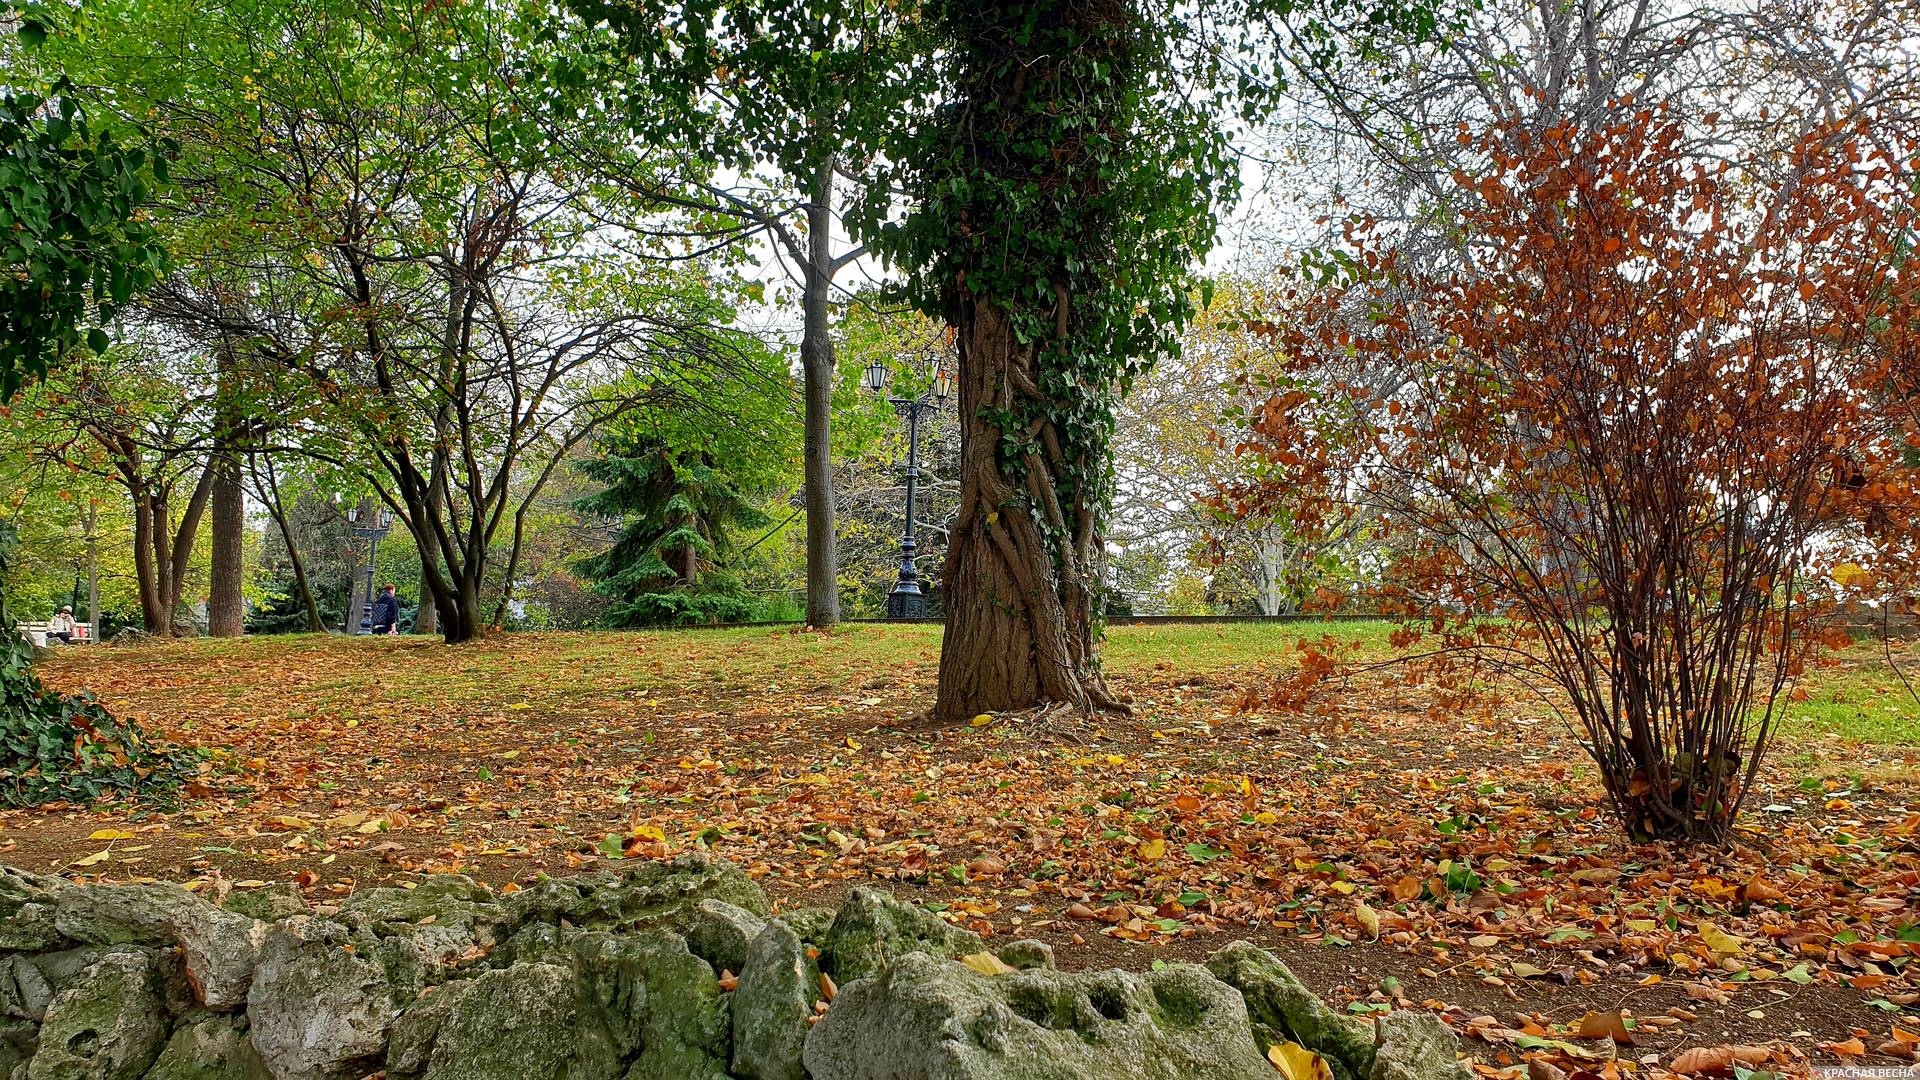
(72, 232)
(72, 250)
(785, 102)
(678, 512)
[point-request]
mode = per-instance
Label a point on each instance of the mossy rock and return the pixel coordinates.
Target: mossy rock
(941, 1020)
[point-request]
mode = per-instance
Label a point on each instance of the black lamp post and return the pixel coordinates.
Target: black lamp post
(372, 526)
(908, 600)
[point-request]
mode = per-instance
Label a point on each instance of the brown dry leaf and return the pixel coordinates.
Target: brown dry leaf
(1853, 1047)
(1605, 1025)
(828, 991)
(1702, 1059)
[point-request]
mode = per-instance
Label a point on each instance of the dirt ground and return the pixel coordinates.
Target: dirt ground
(1459, 862)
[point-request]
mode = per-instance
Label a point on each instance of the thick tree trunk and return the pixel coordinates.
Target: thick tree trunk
(226, 610)
(425, 618)
(1019, 620)
(816, 366)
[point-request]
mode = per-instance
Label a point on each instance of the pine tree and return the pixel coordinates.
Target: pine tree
(668, 564)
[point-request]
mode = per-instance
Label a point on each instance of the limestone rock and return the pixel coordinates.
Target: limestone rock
(1416, 1046)
(778, 986)
(107, 1024)
(873, 929)
(220, 947)
(18, 1040)
(939, 1020)
(719, 933)
(651, 996)
(811, 923)
(279, 900)
(319, 1009)
(448, 901)
(517, 1023)
(27, 903)
(210, 1048)
(652, 895)
(1026, 954)
(25, 990)
(1284, 1010)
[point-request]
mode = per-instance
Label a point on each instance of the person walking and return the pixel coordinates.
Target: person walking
(386, 612)
(61, 627)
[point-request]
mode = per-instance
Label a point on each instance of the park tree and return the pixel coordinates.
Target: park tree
(1638, 497)
(677, 512)
(781, 107)
(456, 302)
(1060, 196)
(75, 249)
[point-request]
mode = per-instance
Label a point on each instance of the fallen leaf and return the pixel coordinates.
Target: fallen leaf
(1296, 1062)
(1702, 1059)
(1368, 917)
(987, 964)
(1605, 1025)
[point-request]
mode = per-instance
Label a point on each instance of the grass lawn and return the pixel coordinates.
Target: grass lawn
(1465, 854)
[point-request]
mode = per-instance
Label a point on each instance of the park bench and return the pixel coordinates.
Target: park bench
(36, 632)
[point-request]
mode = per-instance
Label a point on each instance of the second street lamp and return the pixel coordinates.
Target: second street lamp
(908, 600)
(370, 525)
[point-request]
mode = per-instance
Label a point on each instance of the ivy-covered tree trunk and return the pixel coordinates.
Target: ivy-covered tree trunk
(1061, 222)
(1019, 581)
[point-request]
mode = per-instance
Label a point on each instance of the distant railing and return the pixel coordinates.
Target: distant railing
(1112, 620)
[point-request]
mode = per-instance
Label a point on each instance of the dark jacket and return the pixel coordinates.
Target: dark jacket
(386, 610)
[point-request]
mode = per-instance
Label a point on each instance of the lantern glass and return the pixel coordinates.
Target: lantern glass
(353, 513)
(942, 382)
(877, 375)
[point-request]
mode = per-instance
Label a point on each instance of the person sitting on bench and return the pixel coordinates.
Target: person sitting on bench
(61, 627)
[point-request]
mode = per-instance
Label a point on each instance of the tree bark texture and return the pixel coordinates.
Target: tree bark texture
(816, 367)
(1019, 627)
(1023, 559)
(226, 610)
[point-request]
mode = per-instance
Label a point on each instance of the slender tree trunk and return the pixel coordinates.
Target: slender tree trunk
(150, 557)
(816, 366)
(1019, 628)
(93, 569)
(226, 608)
(277, 510)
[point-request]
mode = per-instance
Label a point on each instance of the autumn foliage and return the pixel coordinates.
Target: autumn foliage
(1623, 444)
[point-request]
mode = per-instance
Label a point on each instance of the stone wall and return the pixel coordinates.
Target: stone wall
(667, 971)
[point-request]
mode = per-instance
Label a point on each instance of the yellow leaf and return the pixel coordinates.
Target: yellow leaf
(1722, 943)
(1368, 917)
(110, 834)
(651, 832)
(510, 755)
(1296, 1062)
(520, 705)
(93, 859)
(987, 964)
(1153, 850)
(1527, 971)
(1344, 888)
(1266, 817)
(981, 721)
(852, 744)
